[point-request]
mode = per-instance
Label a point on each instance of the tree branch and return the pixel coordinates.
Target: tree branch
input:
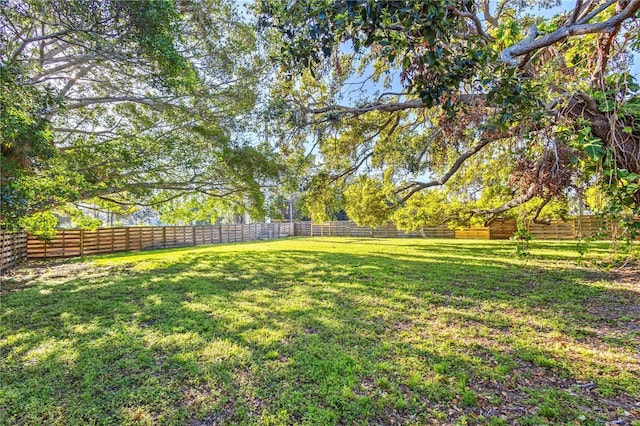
(487, 15)
(476, 22)
(418, 186)
(531, 43)
(469, 99)
(70, 62)
(576, 12)
(538, 210)
(585, 19)
(81, 103)
(73, 80)
(27, 41)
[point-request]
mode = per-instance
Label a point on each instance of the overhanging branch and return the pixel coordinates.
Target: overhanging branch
(532, 43)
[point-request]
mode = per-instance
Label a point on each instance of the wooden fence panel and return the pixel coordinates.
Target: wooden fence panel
(13, 250)
(302, 229)
(473, 234)
(441, 231)
(591, 226)
(361, 231)
(556, 230)
(135, 238)
(502, 229)
(268, 231)
(411, 234)
(350, 229)
(75, 242)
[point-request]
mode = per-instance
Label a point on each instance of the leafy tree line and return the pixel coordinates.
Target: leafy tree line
(112, 104)
(424, 112)
(480, 109)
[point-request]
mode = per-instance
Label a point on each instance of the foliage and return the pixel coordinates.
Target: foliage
(321, 331)
(321, 201)
(41, 225)
(508, 112)
(80, 219)
(429, 208)
(130, 103)
(522, 236)
(367, 202)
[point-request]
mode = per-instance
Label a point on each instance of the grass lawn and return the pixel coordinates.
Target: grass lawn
(323, 331)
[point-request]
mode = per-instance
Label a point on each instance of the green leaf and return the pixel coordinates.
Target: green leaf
(607, 106)
(594, 149)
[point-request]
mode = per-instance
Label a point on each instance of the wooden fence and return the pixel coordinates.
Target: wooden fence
(16, 248)
(13, 250)
(477, 233)
(501, 229)
(77, 242)
(556, 230)
(347, 228)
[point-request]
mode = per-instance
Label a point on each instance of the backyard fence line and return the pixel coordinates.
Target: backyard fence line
(78, 242)
(348, 228)
(18, 247)
(500, 229)
(13, 250)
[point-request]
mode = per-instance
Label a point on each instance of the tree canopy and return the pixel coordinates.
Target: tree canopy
(460, 111)
(120, 103)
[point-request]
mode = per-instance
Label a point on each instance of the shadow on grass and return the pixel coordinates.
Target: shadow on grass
(322, 336)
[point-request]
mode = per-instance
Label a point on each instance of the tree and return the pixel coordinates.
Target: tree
(501, 107)
(120, 103)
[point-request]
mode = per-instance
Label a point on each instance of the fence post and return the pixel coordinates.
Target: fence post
(193, 235)
(14, 248)
(164, 237)
(82, 242)
(26, 247)
(64, 243)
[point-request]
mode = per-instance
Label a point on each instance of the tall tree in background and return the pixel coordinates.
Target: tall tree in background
(480, 108)
(125, 102)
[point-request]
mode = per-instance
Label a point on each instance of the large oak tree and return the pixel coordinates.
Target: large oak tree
(458, 111)
(118, 103)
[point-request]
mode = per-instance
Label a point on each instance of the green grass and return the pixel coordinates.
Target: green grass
(322, 331)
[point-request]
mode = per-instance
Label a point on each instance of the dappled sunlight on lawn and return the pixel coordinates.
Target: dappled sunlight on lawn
(322, 331)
